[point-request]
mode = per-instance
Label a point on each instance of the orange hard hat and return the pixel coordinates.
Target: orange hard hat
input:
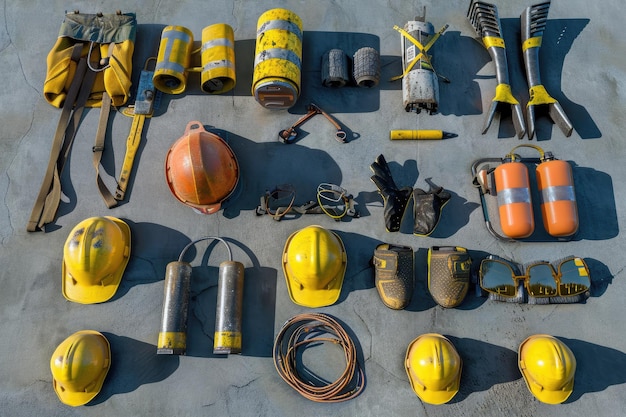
(201, 169)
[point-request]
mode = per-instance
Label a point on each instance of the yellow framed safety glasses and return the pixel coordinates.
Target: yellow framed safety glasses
(567, 278)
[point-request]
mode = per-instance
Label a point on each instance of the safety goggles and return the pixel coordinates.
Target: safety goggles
(332, 200)
(568, 278)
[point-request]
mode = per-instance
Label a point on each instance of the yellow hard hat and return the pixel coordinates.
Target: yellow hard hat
(434, 368)
(79, 365)
(94, 258)
(314, 263)
(548, 367)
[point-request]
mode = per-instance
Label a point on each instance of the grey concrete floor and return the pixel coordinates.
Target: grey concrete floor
(583, 66)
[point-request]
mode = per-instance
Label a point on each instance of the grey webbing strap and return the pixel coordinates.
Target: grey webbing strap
(49, 196)
(98, 148)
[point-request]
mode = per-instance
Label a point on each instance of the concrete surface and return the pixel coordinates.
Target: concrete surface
(586, 72)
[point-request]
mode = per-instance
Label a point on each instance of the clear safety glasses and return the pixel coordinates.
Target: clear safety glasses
(569, 277)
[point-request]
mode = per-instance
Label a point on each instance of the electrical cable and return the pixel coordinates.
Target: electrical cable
(306, 329)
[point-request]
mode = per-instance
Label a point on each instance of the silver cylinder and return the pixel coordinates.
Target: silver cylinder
(173, 333)
(229, 308)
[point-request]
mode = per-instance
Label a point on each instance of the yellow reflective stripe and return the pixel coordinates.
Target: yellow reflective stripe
(227, 339)
(582, 271)
(539, 95)
(534, 42)
(490, 41)
(172, 340)
(558, 193)
(513, 195)
(504, 94)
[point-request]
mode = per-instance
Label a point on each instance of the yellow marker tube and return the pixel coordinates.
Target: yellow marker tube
(419, 135)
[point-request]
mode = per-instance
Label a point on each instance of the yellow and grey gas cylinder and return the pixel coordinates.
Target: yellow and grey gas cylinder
(173, 59)
(228, 312)
(218, 59)
(420, 87)
(278, 59)
(173, 333)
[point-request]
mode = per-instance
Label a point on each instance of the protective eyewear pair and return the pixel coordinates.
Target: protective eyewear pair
(568, 278)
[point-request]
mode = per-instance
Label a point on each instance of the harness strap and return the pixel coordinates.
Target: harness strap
(49, 197)
(98, 149)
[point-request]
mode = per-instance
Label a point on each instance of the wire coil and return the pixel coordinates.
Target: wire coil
(316, 328)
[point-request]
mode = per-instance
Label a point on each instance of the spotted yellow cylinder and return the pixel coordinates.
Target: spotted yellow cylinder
(173, 59)
(218, 59)
(278, 59)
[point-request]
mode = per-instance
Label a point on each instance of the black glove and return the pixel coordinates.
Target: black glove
(427, 208)
(395, 199)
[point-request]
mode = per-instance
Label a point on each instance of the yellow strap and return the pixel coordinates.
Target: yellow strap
(539, 95)
(534, 42)
(490, 41)
(504, 94)
(132, 144)
(423, 49)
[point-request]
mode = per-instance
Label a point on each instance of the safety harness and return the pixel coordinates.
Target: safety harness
(76, 78)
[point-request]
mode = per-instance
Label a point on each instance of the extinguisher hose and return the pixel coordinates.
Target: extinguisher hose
(182, 253)
(512, 156)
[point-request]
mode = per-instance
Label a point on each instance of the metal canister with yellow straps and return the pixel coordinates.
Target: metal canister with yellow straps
(173, 60)
(218, 59)
(217, 72)
(278, 59)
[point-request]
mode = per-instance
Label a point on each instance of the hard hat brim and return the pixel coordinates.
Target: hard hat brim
(76, 399)
(426, 395)
(308, 297)
(98, 293)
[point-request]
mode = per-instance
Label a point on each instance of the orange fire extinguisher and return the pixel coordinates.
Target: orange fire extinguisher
(514, 201)
(558, 200)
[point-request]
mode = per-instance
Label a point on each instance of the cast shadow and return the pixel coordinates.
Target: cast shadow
(359, 272)
(134, 364)
(597, 367)
(595, 199)
(599, 275)
(258, 311)
(152, 247)
(484, 365)
(304, 168)
(459, 58)
(557, 41)
(421, 300)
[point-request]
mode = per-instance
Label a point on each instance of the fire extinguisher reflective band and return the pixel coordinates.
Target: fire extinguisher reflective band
(217, 64)
(558, 193)
(172, 36)
(282, 25)
(277, 53)
(217, 42)
(513, 195)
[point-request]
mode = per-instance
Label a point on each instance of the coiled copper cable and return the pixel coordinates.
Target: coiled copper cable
(303, 330)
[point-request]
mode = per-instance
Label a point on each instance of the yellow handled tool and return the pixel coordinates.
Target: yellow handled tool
(419, 135)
